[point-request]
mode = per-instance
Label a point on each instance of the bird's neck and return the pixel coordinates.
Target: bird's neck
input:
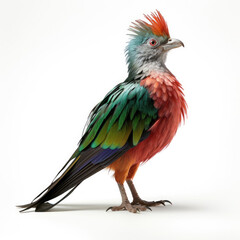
(139, 68)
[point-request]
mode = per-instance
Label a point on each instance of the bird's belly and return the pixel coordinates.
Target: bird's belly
(162, 133)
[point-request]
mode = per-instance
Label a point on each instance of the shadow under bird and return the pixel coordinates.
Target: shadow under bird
(135, 120)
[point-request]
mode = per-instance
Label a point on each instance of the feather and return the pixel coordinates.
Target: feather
(101, 136)
(123, 116)
(138, 132)
(112, 135)
(157, 25)
(135, 121)
(125, 137)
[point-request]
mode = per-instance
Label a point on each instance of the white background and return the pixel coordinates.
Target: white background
(58, 59)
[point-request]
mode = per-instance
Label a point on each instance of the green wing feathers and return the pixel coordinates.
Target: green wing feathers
(118, 123)
(124, 115)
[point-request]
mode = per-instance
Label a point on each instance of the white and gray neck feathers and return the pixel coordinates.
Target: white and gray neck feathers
(142, 65)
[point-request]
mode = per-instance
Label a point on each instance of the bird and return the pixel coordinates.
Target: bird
(134, 121)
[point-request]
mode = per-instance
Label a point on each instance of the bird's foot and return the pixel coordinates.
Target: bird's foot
(129, 207)
(140, 202)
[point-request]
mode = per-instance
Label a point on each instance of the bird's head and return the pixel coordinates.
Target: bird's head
(148, 47)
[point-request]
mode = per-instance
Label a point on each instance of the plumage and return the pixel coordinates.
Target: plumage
(156, 25)
(134, 121)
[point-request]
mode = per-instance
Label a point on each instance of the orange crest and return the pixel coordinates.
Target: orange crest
(157, 25)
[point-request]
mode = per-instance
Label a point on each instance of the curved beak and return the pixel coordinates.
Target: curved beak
(172, 43)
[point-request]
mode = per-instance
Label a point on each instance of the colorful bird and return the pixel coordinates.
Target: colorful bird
(134, 121)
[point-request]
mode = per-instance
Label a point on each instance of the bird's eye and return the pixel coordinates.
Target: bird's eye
(152, 42)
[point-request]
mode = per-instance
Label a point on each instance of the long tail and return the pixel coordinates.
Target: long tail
(78, 168)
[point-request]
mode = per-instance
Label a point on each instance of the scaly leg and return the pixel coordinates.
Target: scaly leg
(126, 205)
(138, 201)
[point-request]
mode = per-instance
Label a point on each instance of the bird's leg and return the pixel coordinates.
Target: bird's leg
(138, 201)
(126, 205)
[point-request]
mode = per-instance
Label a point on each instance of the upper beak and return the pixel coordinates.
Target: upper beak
(172, 43)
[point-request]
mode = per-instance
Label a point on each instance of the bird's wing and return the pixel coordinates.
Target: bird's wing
(119, 122)
(124, 114)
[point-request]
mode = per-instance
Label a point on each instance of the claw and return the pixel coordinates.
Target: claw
(108, 209)
(161, 202)
(148, 208)
(167, 201)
